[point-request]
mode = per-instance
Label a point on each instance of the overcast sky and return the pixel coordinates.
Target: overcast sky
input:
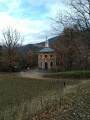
(30, 17)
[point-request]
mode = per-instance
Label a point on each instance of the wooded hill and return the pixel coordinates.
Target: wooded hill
(36, 47)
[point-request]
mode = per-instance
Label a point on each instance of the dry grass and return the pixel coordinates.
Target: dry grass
(75, 105)
(22, 98)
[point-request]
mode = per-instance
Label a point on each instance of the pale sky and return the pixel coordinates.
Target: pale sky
(30, 17)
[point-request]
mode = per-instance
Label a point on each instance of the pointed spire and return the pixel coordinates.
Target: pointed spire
(46, 42)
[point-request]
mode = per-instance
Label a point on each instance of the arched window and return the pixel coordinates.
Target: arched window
(51, 64)
(45, 56)
(50, 55)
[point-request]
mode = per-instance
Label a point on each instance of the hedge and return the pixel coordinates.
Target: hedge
(70, 74)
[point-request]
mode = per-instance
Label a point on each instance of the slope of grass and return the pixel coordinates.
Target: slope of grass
(22, 98)
(70, 74)
(78, 104)
(75, 105)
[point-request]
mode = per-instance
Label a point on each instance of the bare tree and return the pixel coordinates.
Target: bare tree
(0, 55)
(82, 14)
(79, 18)
(11, 44)
(78, 14)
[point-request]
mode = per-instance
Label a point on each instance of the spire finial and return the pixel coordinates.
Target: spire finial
(46, 42)
(46, 38)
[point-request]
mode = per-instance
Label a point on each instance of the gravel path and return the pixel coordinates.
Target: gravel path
(33, 76)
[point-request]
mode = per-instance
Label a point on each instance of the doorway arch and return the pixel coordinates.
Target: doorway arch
(46, 65)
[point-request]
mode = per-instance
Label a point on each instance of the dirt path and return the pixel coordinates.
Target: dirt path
(35, 73)
(37, 76)
(33, 76)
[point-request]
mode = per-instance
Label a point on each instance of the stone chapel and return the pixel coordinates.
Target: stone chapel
(47, 57)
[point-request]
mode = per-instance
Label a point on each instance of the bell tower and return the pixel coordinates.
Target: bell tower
(46, 43)
(47, 57)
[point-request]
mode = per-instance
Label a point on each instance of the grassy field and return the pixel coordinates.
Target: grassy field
(70, 75)
(75, 105)
(23, 98)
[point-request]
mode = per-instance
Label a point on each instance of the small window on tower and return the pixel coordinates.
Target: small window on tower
(45, 56)
(50, 55)
(51, 64)
(40, 55)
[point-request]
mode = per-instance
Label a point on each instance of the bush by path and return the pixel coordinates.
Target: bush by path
(70, 74)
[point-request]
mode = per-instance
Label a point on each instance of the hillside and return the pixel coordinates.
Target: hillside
(37, 46)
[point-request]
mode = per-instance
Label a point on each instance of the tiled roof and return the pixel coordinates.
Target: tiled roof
(47, 49)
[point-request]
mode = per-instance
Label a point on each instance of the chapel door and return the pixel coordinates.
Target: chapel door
(46, 65)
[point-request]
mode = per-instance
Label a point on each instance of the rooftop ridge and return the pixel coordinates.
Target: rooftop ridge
(47, 49)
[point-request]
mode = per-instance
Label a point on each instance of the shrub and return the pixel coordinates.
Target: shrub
(70, 74)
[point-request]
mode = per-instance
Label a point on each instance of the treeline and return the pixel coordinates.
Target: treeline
(73, 50)
(11, 59)
(17, 62)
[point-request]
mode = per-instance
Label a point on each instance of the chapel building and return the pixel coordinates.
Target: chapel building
(47, 58)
